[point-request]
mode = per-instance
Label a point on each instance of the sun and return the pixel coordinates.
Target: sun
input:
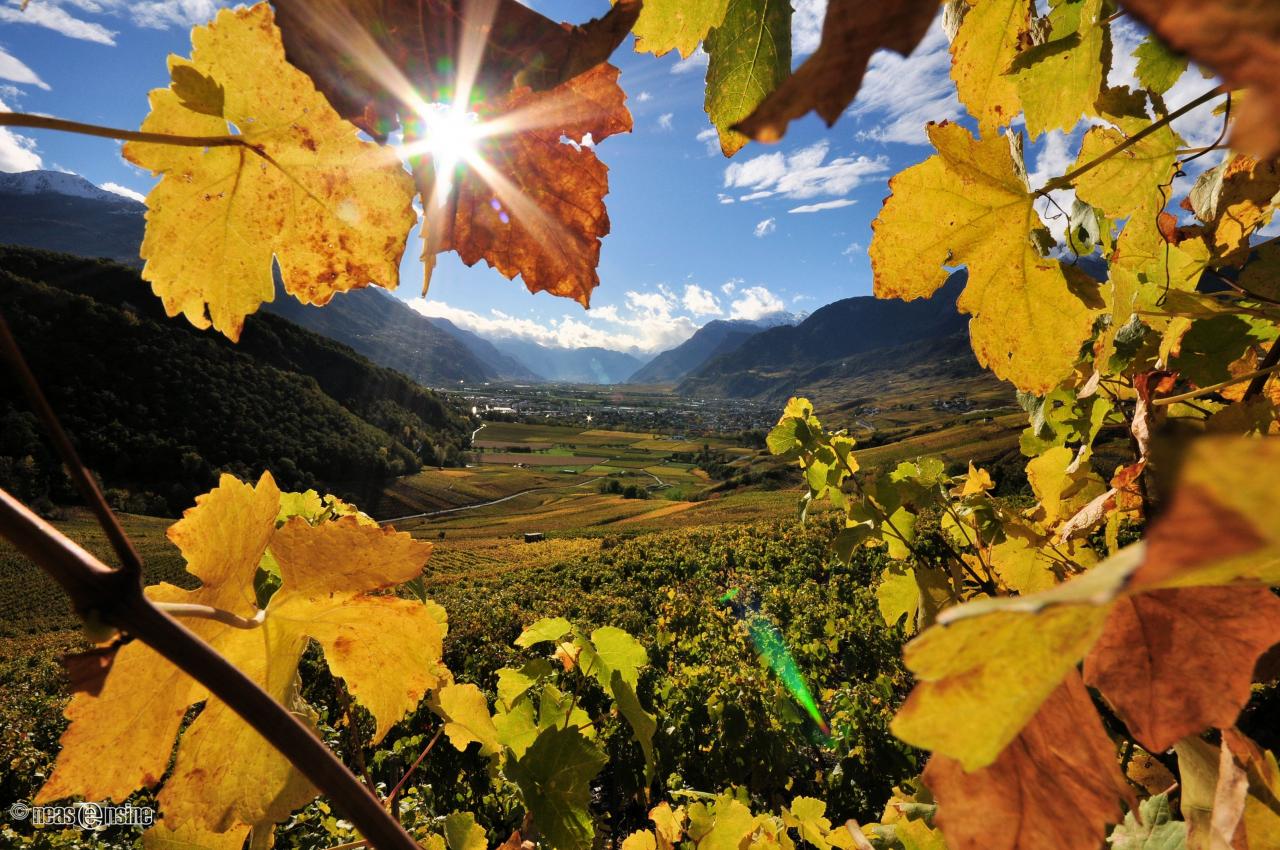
(449, 135)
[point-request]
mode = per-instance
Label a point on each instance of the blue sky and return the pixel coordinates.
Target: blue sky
(695, 236)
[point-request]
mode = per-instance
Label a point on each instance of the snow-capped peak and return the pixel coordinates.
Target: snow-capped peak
(58, 183)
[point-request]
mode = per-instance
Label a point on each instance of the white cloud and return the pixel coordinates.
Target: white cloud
(756, 196)
(151, 14)
(700, 302)
(854, 249)
(729, 285)
(711, 139)
(52, 16)
(665, 120)
(724, 199)
(803, 173)
(162, 14)
(646, 321)
(17, 153)
(755, 302)
(903, 94)
(697, 60)
(125, 191)
(644, 97)
(766, 227)
(806, 25)
(13, 68)
(838, 203)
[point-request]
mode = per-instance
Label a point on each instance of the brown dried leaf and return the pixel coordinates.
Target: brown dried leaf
(829, 80)
(367, 56)
(1034, 781)
(1176, 662)
(1238, 39)
(537, 209)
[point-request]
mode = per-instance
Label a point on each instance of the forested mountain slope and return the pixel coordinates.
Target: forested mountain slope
(159, 408)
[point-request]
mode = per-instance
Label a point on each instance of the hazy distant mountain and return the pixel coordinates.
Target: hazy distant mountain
(505, 367)
(709, 341)
(843, 340)
(64, 212)
(572, 365)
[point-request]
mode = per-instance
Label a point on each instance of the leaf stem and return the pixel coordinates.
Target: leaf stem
(391, 798)
(1066, 180)
(208, 612)
(1213, 388)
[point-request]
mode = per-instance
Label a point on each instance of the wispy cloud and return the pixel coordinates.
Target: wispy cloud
(644, 97)
(854, 249)
(766, 227)
(901, 95)
(823, 205)
(803, 173)
(52, 16)
(13, 68)
(17, 152)
(666, 120)
(65, 16)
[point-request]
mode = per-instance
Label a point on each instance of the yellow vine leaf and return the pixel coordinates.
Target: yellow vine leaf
(666, 25)
(333, 577)
(981, 55)
(467, 718)
(641, 840)
(1060, 80)
(1245, 202)
(333, 211)
(969, 205)
(1145, 268)
(1022, 561)
(1131, 179)
(1061, 485)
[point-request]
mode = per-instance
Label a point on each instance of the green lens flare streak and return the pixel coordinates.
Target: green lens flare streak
(773, 649)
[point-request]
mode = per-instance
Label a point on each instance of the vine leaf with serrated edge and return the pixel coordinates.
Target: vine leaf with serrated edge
(333, 211)
(969, 205)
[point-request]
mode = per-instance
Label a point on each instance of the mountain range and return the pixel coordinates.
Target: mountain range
(845, 341)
